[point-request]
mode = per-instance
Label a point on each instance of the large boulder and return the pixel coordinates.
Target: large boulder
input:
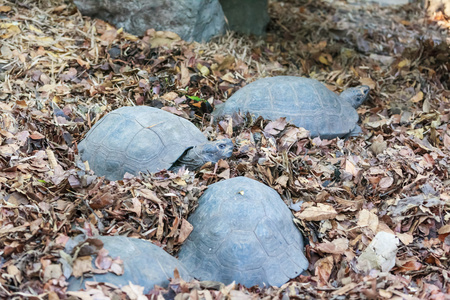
(246, 16)
(197, 20)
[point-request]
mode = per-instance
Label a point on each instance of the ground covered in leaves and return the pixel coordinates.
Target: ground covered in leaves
(60, 73)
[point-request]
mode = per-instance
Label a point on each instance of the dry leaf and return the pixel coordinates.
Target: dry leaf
(417, 98)
(317, 213)
(185, 231)
(185, 77)
(82, 265)
(385, 182)
(368, 219)
(337, 246)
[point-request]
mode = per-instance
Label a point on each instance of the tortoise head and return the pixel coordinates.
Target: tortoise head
(197, 156)
(356, 95)
(213, 151)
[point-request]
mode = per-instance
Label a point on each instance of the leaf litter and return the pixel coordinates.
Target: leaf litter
(60, 73)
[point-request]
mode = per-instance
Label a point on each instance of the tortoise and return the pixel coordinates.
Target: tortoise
(144, 264)
(243, 232)
(302, 101)
(146, 139)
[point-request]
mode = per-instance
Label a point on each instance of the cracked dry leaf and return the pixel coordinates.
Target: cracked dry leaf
(53, 271)
(275, 127)
(317, 213)
(103, 261)
(134, 292)
(323, 269)
(185, 230)
(368, 219)
(337, 246)
(380, 254)
(405, 238)
(385, 182)
(117, 267)
(378, 145)
(185, 76)
(82, 265)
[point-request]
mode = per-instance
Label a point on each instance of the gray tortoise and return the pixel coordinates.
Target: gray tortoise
(144, 264)
(146, 139)
(302, 101)
(243, 232)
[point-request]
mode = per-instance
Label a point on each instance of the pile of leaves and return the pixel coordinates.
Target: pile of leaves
(60, 73)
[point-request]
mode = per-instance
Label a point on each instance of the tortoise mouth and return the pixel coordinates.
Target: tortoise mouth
(229, 153)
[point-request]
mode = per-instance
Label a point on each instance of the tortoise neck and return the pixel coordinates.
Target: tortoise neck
(190, 158)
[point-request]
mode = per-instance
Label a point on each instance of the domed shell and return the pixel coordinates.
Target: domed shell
(137, 139)
(302, 101)
(144, 263)
(243, 232)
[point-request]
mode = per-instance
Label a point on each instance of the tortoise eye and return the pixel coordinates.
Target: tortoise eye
(222, 146)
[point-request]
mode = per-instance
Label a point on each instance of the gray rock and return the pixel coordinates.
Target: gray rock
(197, 20)
(246, 16)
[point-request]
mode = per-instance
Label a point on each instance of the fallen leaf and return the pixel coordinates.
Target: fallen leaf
(337, 246)
(274, 127)
(5, 8)
(185, 77)
(323, 268)
(317, 213)
(368, 219)
(185, 231)
(82, 265)
(100, 201)
(379, 254)
(385, 182)
(405, 238)
(368, 81)
(417, 97)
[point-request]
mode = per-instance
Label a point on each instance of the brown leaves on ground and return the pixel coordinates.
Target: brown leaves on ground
(59, 74)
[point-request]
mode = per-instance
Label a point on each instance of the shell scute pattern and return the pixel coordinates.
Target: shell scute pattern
(243, 229)
(132, 140)
(145, 264)
(302, 101)
(270, 237)
(239, 246)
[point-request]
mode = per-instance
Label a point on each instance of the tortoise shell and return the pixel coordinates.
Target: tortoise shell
(243, 232)
(137, 139)
(144, 264)
(302, 101)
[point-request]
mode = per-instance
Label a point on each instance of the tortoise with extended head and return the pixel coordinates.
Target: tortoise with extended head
(144, 263)
(243, 232)
(302, 101)
(146, 139)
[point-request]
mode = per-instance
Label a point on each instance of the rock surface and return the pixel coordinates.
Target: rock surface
(197, 20)
(248, 16)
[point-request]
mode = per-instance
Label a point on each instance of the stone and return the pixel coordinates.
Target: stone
(197, 20)
(246, 16)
